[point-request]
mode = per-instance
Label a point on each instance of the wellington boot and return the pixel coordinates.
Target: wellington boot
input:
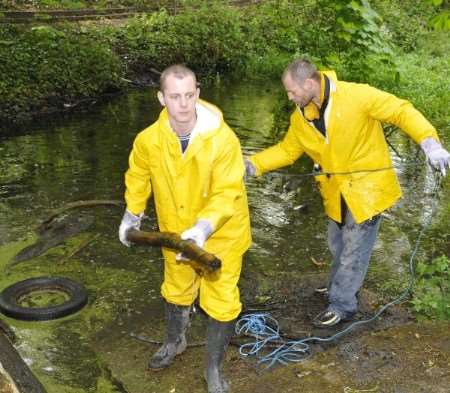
(177, 319)
(218, 337)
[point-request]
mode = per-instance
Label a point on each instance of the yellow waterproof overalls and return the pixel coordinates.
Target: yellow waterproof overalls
(205, 182)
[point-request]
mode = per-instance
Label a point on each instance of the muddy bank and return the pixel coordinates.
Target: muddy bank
(64, 106)
(395, 354)
(60, 107)
(411, 358)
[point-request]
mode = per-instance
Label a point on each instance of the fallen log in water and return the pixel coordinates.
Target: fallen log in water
(54, 234)
(45, 224)
(199, 259)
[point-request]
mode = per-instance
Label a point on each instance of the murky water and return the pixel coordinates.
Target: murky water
(83, 156)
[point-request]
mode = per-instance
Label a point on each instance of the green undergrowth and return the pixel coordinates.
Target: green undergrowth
(48, 67)
(82, 4)
(45, 67)
(432, 288)
(431, 298)
(429, 285)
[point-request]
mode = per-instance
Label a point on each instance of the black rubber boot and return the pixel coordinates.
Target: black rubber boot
(218, 338)
(177, 319)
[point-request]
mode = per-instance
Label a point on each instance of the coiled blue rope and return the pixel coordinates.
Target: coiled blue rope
(258, 325)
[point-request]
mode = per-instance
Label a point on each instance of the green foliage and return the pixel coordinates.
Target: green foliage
(275, 25)
(441, 21)
(421, 79)
(362, 44)
(358, 24)
(208, 37)
(277, 31)
(57, 4)
(215, 37)
(405, 22)
(45, 66)
(77, 4)
(432, 289)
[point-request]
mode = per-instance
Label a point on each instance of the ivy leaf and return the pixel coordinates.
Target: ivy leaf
(441, 22)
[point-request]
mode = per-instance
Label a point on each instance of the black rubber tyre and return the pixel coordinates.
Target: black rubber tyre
(10, 298)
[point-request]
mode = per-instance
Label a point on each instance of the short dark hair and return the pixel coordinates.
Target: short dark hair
(180, 71)
(300, 70)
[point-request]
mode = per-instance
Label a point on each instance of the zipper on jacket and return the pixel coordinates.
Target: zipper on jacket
(211, 159)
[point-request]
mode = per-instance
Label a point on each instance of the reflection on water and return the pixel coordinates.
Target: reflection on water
(84, 155)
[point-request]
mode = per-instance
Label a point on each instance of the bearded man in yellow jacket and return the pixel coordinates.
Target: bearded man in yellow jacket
(191, 162)
(338, 125)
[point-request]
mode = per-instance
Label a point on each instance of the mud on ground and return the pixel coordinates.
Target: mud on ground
(395, 354)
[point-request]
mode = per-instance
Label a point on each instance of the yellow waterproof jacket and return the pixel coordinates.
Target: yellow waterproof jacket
(354, 142)
(206, 182)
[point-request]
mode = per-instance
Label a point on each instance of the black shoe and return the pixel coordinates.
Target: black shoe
(321, 291)
(327, 318)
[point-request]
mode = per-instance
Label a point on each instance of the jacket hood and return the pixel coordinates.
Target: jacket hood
(209, 119)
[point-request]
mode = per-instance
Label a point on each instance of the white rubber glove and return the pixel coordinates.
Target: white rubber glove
(129, 221)
(438, 157)
(250, 170)
(199, 233)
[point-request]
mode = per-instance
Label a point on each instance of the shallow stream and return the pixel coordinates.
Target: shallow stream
(83, 156)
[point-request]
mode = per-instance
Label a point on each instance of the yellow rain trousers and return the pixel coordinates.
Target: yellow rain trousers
(205, 182)
(354, 142)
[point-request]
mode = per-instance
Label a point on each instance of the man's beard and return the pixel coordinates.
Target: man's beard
(308, 101)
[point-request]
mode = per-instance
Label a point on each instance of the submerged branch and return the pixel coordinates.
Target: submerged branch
(80, 247)
(45, 224)
(198, 257)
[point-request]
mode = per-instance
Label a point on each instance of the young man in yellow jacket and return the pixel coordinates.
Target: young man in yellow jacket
(191, 162)
(338, 125)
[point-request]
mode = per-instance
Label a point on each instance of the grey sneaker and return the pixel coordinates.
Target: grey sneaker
(321, 291)
(327, 318)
